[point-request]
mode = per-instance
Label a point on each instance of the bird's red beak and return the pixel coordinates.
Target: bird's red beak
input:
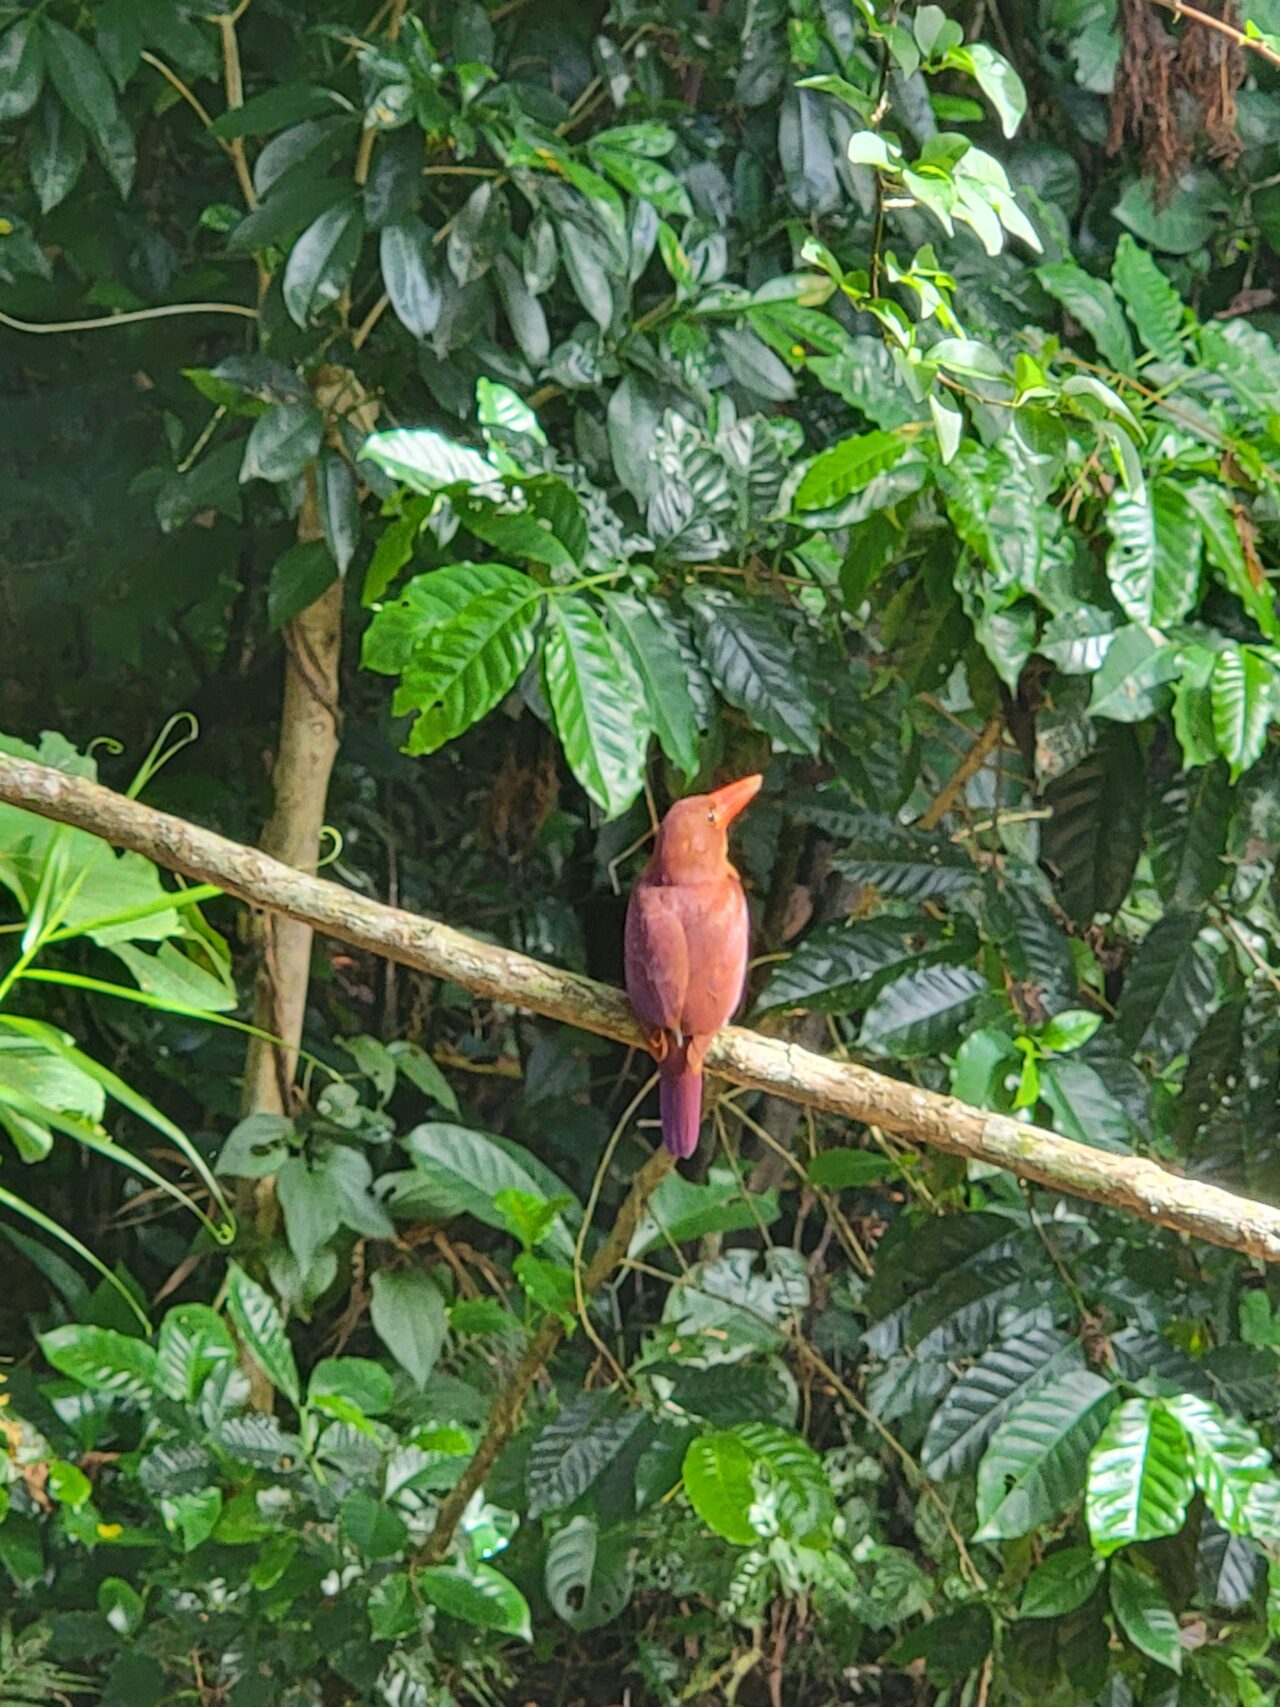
(728, 801)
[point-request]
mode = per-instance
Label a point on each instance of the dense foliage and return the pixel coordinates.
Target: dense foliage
(881, 396)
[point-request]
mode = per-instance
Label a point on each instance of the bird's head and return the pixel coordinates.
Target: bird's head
(693, 838)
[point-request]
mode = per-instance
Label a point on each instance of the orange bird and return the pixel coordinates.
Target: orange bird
(686, 948)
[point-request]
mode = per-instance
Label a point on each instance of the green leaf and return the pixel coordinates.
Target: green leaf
(192, 1517)
(339, 507)
(681, 1210)
(417, 1066)
(372, 1527)
(1243, 692)
(1139, 1477)
(277, 108)
(899, 864)
(1171, 989)
(588, 1577)
(998, 81)
(411, 275)
(408, 1316)
(804, 1506)
(1094, 304)
(641, 176)
(322, 261)
(1154, 561)
(1189, 836)
(1144, 1615)
(298, 579)
(426, 461)
(393, 1611)
(312, 1208)
(1061, 1583)
(847, 467)
(599, 705)
(1084, 1106)
(753, 365)
(1034, 1466)
(21, 68)
(81, 80)
(718, 1480)
(261, 1326)
(574, 1449)
(753, 663)
(655, 652)
(457, 1171)
(839, 968)
(525, 314)
(846, 1170)
(1228, 1459)
(473, 658)
(479, 1597)
(194, 1342)
(1183, 225)
(478, 230)
(1132, 683)
(921, 1012)
(1157, 311)
(282, 442)
(1092, 840)
(987, 1391)
(256, 1146)
(56, 153)
(1227, 532)
(103, 1360)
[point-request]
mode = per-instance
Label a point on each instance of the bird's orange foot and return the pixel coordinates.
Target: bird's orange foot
(658, 1044)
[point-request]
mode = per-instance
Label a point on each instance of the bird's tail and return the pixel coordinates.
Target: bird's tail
(680, 1100)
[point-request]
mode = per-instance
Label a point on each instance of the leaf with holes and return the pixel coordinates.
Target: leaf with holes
(1140, 1479)
(922, 1012)
(987, 1391)
(588, 1576)
(260, 1325)
(1034, 1466)
(599, 704)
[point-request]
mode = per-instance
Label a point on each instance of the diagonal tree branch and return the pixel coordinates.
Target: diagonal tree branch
(1130, 1183)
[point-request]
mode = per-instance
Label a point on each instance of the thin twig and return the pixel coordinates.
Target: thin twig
(130, 317)
(968, 768)
(1194, 15)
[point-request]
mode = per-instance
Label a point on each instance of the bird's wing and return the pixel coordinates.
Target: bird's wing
(657, 957)
(717, 931)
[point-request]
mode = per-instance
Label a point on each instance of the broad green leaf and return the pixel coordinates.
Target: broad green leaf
(752, 660)
(948, 423)
(194, 1341)
(1061, 1583)
(753, 365)
(81, 80)
(322, 261)
(599, 704)
(103, 1360)
(373, 1528)
(572, 1451)
(844, 1170)
(1229, 547)
(525, 314)
(192, 1517)
(298, 578)
(339, 504)
(1034, 1466)
(588, 1576)
(1132, 683)
(472, 660)
(1157, 311)
(839, 968)
(1139, 1477)
(408, 1316)
(312, 1208)
(276, 108)
(477, 233)
(411, 275)
(1189, 836)
(641, 176)
(1144, 1615)
(480, 1597)
(1094, 304)
(256, 1146)
(655, 652)
(998, 81)
(847, 467)
(21, 68)
(1243, 696)
(797, 1485)
(1084, 1106)
(899, 864)
(413, 1062)
(426, 460)
(282, 442)
(457, 1171)
(1171, 989)
(260, 1325)
(921, 1011)
(1154, 561)
(681, 1210)
(1180, 227)
(719, 1482)
(1228, 1459)
(1091, 842)
(56, 152)
(987, 1391)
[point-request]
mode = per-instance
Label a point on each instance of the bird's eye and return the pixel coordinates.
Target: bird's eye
(711, 816)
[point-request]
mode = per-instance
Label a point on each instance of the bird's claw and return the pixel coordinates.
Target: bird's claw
(658, 1044)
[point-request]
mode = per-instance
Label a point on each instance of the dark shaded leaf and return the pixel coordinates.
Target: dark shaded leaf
(1091, 842)
(322, 261)
(752, 662)
(78, 75)
(411, 275)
